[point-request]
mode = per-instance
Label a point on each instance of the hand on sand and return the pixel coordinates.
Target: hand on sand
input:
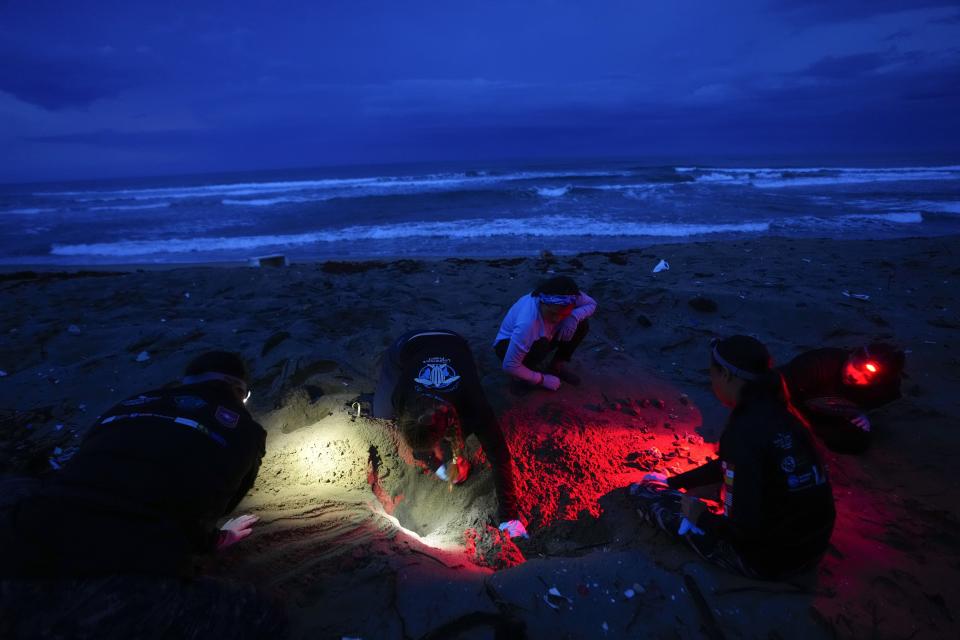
(861, 422)
(234, 530)
(567, 328)
(514, 529)
(550, 382)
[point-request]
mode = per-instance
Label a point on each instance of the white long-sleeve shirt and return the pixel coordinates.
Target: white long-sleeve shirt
(523, 325)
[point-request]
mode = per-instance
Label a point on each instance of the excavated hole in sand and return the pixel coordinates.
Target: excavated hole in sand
(362, 461)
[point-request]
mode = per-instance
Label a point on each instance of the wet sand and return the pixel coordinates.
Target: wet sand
(355, 542)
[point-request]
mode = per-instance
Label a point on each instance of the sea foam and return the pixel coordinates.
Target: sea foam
(547, 226)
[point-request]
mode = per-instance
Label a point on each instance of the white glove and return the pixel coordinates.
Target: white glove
(566, 329)
(442, 472)
(235, 530)
(655, 477)
(687, 526)
(514, 529)
(862, 422)
(550, 382)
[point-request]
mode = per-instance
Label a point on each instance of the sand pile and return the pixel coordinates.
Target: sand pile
(572, 448)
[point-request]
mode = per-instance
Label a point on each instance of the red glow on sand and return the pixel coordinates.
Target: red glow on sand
(568, 454)
(491, 548)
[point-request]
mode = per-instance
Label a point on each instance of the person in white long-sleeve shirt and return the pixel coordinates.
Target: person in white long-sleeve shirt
(551, 318)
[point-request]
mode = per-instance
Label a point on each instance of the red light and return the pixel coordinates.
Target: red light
(872, 368)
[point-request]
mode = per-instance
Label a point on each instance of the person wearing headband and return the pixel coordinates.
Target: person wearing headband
(429, 384)
(148, 484)
(775, 510)
(835, 389)
(550, 319)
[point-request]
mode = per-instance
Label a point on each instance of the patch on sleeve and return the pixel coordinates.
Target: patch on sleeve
(226, 417)
(726, 489)
(788, 464)
(783, 441)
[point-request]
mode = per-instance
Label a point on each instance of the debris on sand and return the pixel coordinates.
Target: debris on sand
(492, 548)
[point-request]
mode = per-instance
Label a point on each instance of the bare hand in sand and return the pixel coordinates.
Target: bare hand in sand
(550, 382)
(235, 530)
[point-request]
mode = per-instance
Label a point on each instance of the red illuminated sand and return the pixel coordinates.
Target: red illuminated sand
(573, 447)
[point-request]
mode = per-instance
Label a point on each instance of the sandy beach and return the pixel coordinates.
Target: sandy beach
(356, 542)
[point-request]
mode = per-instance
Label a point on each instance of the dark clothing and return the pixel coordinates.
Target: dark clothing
(144, 491)
(662, 507)
(439, 363)
(819, 374)
(141, 607)
(542, 348)
(778, 510)
(816, 376)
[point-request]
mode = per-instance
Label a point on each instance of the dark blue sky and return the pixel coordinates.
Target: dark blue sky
(100, 89)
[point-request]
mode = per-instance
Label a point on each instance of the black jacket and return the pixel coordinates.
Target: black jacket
(146, 488)
(778, 504)
(439, 363)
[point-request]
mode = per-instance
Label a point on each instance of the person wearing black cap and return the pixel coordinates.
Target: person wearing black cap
(776, 510)
(835, 388)
(551, 318)
(429, 384)
(148, 484)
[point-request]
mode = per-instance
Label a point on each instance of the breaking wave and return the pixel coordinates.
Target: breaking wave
(818, 176)
(544, 227)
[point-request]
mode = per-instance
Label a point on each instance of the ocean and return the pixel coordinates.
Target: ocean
(417, 211)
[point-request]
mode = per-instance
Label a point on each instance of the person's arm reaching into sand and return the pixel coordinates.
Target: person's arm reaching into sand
(513, 365)
(479, 419)
(742, 516)
(708, 473)
(236, 529)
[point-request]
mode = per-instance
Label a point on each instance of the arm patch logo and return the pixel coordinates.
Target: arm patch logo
(227, 418)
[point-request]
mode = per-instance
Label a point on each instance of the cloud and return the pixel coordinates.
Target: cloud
(833, 68)
(954, 19)
(817, 11)
(838, 67)
(57, 80)
(109, 138)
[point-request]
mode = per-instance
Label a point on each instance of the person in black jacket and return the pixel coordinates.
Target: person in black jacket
(147, 486)
(429, 384)
(776, 505)
(835, 388)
